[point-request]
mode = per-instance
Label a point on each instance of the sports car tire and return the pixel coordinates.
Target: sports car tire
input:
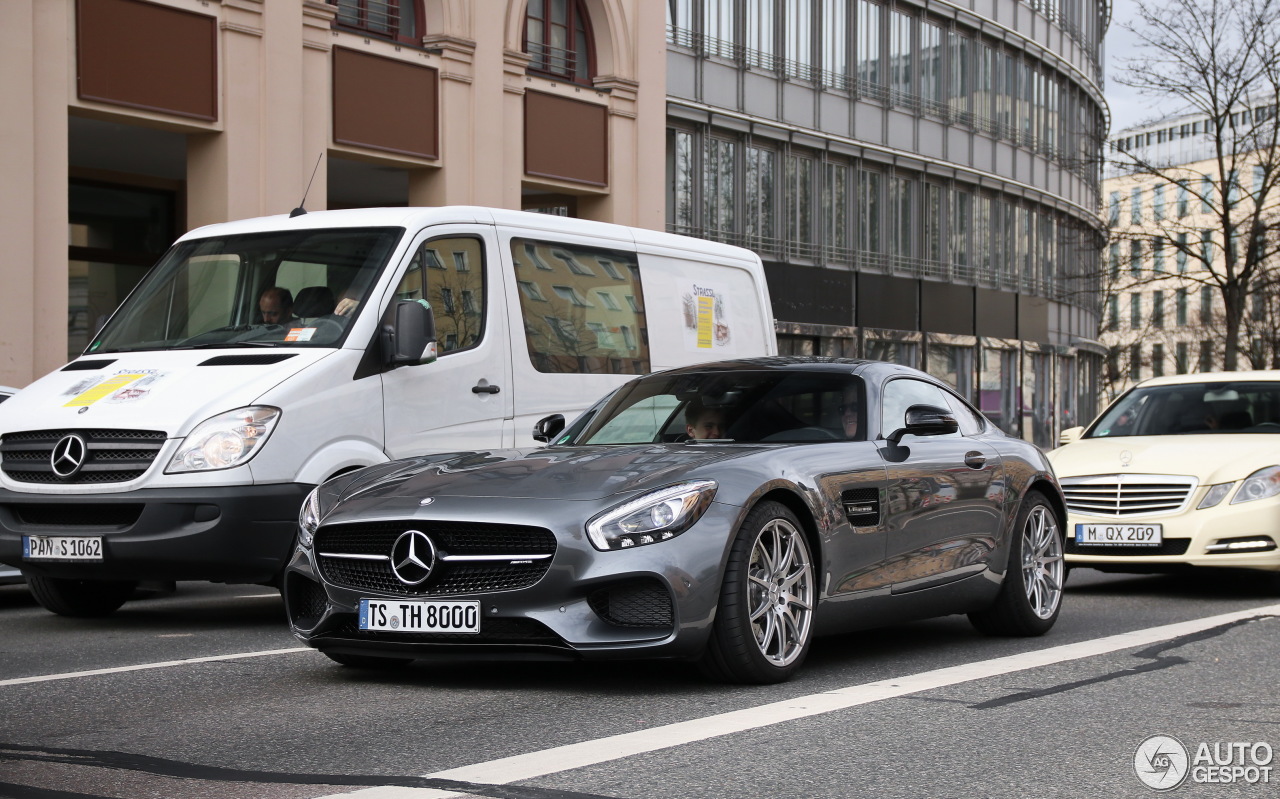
(764, 622)
(367, 661)
(81, 599)
(1030, 597)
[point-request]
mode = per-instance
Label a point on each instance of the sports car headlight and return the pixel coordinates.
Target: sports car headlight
(226, 440)
(1259, 485)
(657, 516)
(309, 517)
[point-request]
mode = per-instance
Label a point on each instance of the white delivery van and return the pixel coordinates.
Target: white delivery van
(261, 357)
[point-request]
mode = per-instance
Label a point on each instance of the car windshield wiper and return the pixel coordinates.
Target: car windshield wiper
(712, 441)
(217, 345)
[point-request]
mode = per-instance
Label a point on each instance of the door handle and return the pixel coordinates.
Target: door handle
(485, 389)
(974, 460)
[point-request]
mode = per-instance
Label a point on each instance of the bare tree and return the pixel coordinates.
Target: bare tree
(1220, 60)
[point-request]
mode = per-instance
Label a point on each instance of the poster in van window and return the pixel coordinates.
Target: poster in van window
(706, 319)
(123, 386)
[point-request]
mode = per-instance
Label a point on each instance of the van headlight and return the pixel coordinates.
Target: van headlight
(1259, 485)
(309, 517)
(229, 439)
(657, 516)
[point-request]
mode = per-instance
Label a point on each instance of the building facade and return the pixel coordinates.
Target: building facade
(921, 178)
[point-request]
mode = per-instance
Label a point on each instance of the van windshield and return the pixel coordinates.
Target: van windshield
(280, 289)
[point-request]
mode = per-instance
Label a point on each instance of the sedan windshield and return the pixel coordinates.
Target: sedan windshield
(290, 289)
(739, 407)
(1193, 408)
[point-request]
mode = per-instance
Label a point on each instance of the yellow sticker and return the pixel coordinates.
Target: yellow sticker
(103, 389)
(706, 318)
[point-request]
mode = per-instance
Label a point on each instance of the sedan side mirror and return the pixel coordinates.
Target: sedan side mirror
(926, 420)
(410, 335)
(548, 427)
(1070, 434)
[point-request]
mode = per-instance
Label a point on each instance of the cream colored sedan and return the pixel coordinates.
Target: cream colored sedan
(1178, 471)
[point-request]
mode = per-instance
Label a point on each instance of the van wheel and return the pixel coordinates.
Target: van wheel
(367, 661)
(1031, 595)
(764, 622)
(80, 599)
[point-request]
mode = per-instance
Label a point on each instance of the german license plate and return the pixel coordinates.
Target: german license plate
(1129, 535)
(62, 547)
(420, 616)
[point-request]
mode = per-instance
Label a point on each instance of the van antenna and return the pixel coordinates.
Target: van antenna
(299, 211)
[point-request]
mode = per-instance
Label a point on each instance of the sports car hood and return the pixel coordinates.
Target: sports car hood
(1212, 458)
(567, 473)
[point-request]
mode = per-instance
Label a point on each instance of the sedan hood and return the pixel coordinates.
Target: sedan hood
(1212, 458)
(576, 473)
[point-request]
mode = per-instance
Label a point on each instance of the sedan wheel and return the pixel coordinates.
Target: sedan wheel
(764, 623)
(1031, 595)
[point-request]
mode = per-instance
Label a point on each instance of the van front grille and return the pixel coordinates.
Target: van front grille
(102, 456)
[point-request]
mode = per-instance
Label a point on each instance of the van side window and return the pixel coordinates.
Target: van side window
(573, 321)
(449, 274)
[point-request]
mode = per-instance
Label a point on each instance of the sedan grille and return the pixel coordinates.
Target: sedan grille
(470, 558)
(110, 456)
(1127, 494)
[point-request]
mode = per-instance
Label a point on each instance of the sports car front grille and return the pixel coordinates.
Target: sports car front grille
(522, 555)
(111, 456)
(1127, 494)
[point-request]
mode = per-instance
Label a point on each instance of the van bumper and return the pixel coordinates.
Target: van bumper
(231, 534)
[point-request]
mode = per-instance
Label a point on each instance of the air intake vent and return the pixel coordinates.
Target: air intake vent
(254, 359)
(87, 366)
(862, 506)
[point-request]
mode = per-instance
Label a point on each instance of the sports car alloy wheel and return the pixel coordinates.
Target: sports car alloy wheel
(764, 623)
(781, 592)
(1042, 563)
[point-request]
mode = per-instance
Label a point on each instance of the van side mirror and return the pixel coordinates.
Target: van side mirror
(1070, 435)
(410, 335)
(548, 427)
(925, 420)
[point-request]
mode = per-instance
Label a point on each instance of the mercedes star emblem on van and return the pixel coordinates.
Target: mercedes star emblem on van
(412, 557)
(68, 456)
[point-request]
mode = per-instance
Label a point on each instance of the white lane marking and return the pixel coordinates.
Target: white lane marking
(532, 765)
(71, 675)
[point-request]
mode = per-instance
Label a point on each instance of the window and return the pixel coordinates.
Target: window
(869, 74)
(1113, 256)
(1135, 361)
(610, 269)
(1135, 311)
(1157, 308)
(759, 32)
(558, 39)
(760, 179)
(799, 197)
(393, 19)
(460, 261)
(1206, 194)
(1157, 202)
(580, 336)
(1157, 360)
(1135, 205)
(931, 55)
(1113, 208)
(1135, 258)
(456, 296)
(1206, 248)
(869, 194)
(1184, 201)
(901, 57)
(1182, 252)
(1157, 254)
(1180, 357)
(1113, 313)
(901, 218)
(1206, 305)
(798, 33)
(1206, 356)
(680, 167)
(1180, 303)
(835, 43)
(835, 205)
(717, 186)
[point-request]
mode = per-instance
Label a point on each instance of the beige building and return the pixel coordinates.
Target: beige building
(129, 122)
(1162, 312)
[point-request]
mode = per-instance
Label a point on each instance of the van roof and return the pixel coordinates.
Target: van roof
(414, 218)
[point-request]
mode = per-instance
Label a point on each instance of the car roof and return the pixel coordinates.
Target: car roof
(1259, 375)
(810, 363)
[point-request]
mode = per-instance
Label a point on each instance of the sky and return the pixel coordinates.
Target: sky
(1128, 108)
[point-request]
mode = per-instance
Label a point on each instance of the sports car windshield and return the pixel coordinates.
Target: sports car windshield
(739, 407)
(1193, 408)
(278, 289)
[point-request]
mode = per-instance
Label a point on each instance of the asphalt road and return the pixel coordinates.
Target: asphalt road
(203, 693)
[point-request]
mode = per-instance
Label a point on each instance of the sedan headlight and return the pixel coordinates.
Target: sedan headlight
(1259, 485)
(226, 440)
(657, 516)
(309, 517)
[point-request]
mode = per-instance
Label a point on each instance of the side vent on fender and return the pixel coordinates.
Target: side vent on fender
(861, 506)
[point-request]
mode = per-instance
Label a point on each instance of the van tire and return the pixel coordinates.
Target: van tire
(80, 599)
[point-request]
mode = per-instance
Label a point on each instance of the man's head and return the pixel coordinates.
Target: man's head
(702, 422)
(849, 407)
(276, 305)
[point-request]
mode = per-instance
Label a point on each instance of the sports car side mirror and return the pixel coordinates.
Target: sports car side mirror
(925, 420)
(548, 427)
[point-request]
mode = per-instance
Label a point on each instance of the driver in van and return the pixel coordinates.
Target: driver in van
(276, 306)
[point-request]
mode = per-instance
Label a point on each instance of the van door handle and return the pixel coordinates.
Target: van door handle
(485, 389)
(974, 460)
